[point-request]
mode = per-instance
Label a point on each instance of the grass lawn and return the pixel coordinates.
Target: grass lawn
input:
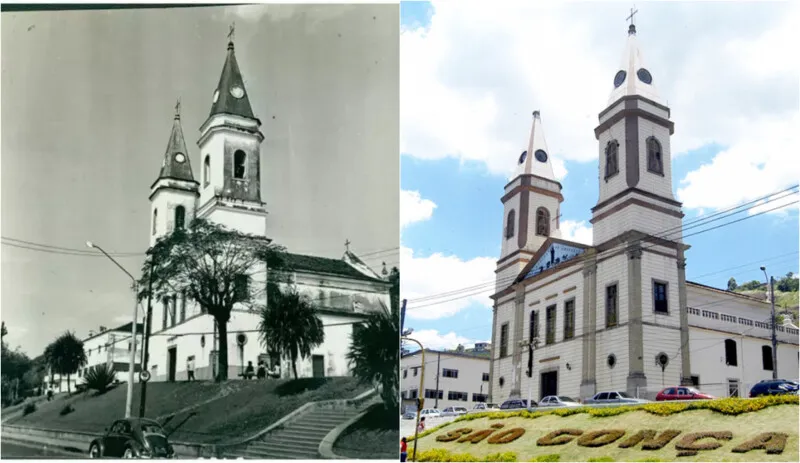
(777, 418)
(201, 411)
(375, 436)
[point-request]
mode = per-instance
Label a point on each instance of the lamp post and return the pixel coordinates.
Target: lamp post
(132, 362)
(771, 282)
(420, 401)
(533, 343)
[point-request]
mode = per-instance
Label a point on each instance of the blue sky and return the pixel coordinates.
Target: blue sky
(455, 162)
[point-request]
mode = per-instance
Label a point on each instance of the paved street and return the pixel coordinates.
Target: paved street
(16, 450)
(407, 426)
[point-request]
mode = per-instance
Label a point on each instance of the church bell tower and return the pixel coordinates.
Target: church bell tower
(531, 207)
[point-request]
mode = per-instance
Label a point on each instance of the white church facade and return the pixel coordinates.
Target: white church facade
(228, 192)
(618, 314)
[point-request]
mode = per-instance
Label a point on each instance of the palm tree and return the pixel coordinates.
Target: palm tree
(65, 355)
(289, 324)
(373, 354)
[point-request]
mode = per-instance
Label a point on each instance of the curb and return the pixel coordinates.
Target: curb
(326, 445)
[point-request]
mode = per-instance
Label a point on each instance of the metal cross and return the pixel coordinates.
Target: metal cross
(347, 245)
(232, 32)
(178, 107)
(633, 12)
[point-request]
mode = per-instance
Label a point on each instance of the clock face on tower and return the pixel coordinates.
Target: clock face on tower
(619, 78)
(237, 92)
(180, 158)
(644, 76)
(541, 156)
(523, 156)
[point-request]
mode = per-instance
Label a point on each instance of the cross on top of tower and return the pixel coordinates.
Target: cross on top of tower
(347, 245)
(178, 108)
(232, 32)
(632, 27)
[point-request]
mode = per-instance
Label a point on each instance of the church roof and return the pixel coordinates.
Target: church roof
(536, 158)
(231, 96)
(176, 163)
(633, 78)
(326, 265)
(553, 253)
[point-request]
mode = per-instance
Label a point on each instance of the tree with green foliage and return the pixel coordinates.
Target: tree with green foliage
(788, 284)
(732, 284)
(751, 285)
(66, 355)
(373, 354)
(289, 324)
(213, 266)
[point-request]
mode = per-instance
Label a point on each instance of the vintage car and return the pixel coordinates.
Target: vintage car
(132, 438)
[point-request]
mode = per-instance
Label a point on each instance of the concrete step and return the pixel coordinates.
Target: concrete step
(311, 446)
(276, 455)
(312, 430)
(325, 422)
(293, 439)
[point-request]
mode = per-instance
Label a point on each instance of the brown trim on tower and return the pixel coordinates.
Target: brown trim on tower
(534, 189)
(552, 296)
(522, 229)
(634, 112)
(571, 288)
(525, 179)
(633, 235)
(511, 264)
(628, 98)
(635, 202)
(627, 191)
(514, 254)
(632, 150)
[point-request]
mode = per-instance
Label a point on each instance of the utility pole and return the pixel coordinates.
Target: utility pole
(420, 400)
(771, 281)
(438, 370)
(403, 317)
(146, 346)
(533, 343)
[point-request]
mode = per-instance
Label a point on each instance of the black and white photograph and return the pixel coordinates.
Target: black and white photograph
(200, 231)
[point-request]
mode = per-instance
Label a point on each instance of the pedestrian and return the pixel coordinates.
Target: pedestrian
(403, 449)
(249, 372)
(421, 427)
(261, 373)
(190, 368)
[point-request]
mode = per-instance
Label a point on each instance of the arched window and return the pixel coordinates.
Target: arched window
(766, 357)
(730, 353)
(180, 217)
(612, 159)
(239, 159)
(510, 224)
(542, 222)
(155, 220)
(654, 156)
(207, 170)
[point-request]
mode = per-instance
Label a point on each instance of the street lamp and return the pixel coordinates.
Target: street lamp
(771, 282)
(132, 363)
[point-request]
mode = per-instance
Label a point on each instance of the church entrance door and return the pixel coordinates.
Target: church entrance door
(172, 361)
(549, 385)
(318, 365)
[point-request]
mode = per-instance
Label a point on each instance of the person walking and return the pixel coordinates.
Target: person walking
(403, 449)
(421, 427)
(190, 368)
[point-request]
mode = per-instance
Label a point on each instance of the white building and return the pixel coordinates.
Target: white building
(229, 193)
(618, 314)
(462, 379)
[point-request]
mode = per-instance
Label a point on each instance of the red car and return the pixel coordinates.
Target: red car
(682, 393)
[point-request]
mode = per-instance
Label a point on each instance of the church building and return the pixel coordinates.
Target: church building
(618, 315)
(228, 192)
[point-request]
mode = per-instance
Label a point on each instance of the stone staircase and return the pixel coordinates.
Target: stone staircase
(297, 440)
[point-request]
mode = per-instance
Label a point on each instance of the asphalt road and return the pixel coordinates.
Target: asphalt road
(407, 426)
(17, 450)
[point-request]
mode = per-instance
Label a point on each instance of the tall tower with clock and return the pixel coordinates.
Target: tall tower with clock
(531, 207)
(173, 196)
(230, 150)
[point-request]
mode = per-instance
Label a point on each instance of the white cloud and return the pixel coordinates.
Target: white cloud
(470, 81)
(432, 339)
(413, 208)
(438, 274)
(576, 231)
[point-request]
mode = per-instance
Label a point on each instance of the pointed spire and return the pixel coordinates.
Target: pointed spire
(230, 96)
(536, 159)
(176, 158)
(632, 77)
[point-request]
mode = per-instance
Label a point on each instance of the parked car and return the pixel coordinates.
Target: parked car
(132, 438)
(512, 404)
(485, 407)
(558, 401)
(430, 413)
(614, 397)
(773, 387)
(410, 413)
(681, 393)
(454, 411)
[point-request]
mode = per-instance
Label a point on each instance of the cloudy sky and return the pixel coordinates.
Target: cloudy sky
(87, 108)
(472, 75)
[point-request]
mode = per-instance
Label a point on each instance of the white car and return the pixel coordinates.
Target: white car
(485, 407)
(454, 411)
(430, 413)
(558, 401)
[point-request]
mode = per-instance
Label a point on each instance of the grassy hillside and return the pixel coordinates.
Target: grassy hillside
(199, 411)
(770, 414)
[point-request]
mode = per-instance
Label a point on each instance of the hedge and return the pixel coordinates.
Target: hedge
(772, 442)
(649, 439)
(600, 437)
(689, 441)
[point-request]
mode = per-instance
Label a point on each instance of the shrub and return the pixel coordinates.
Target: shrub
(548, 457)
(498, 425)
(559, 437)
(99, 378)
(477, 436)
(690, 441)
(453, 435)
(651, 442)
(505, 456)
(67, 410)
(29, 408)
(509, 435)
(687, 453)
(442, 455)
(600, 459)
(772, 442)
(600, 437)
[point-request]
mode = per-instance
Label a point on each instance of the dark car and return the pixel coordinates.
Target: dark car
(681, 393)
(511, 404)
(773, 387)
(132, 438)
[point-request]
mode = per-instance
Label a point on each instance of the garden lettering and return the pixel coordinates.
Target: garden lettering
(688, 445)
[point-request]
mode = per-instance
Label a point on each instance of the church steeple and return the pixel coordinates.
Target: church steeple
(536, 159)
(230, 96)
(176, 163)
(633, 78)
